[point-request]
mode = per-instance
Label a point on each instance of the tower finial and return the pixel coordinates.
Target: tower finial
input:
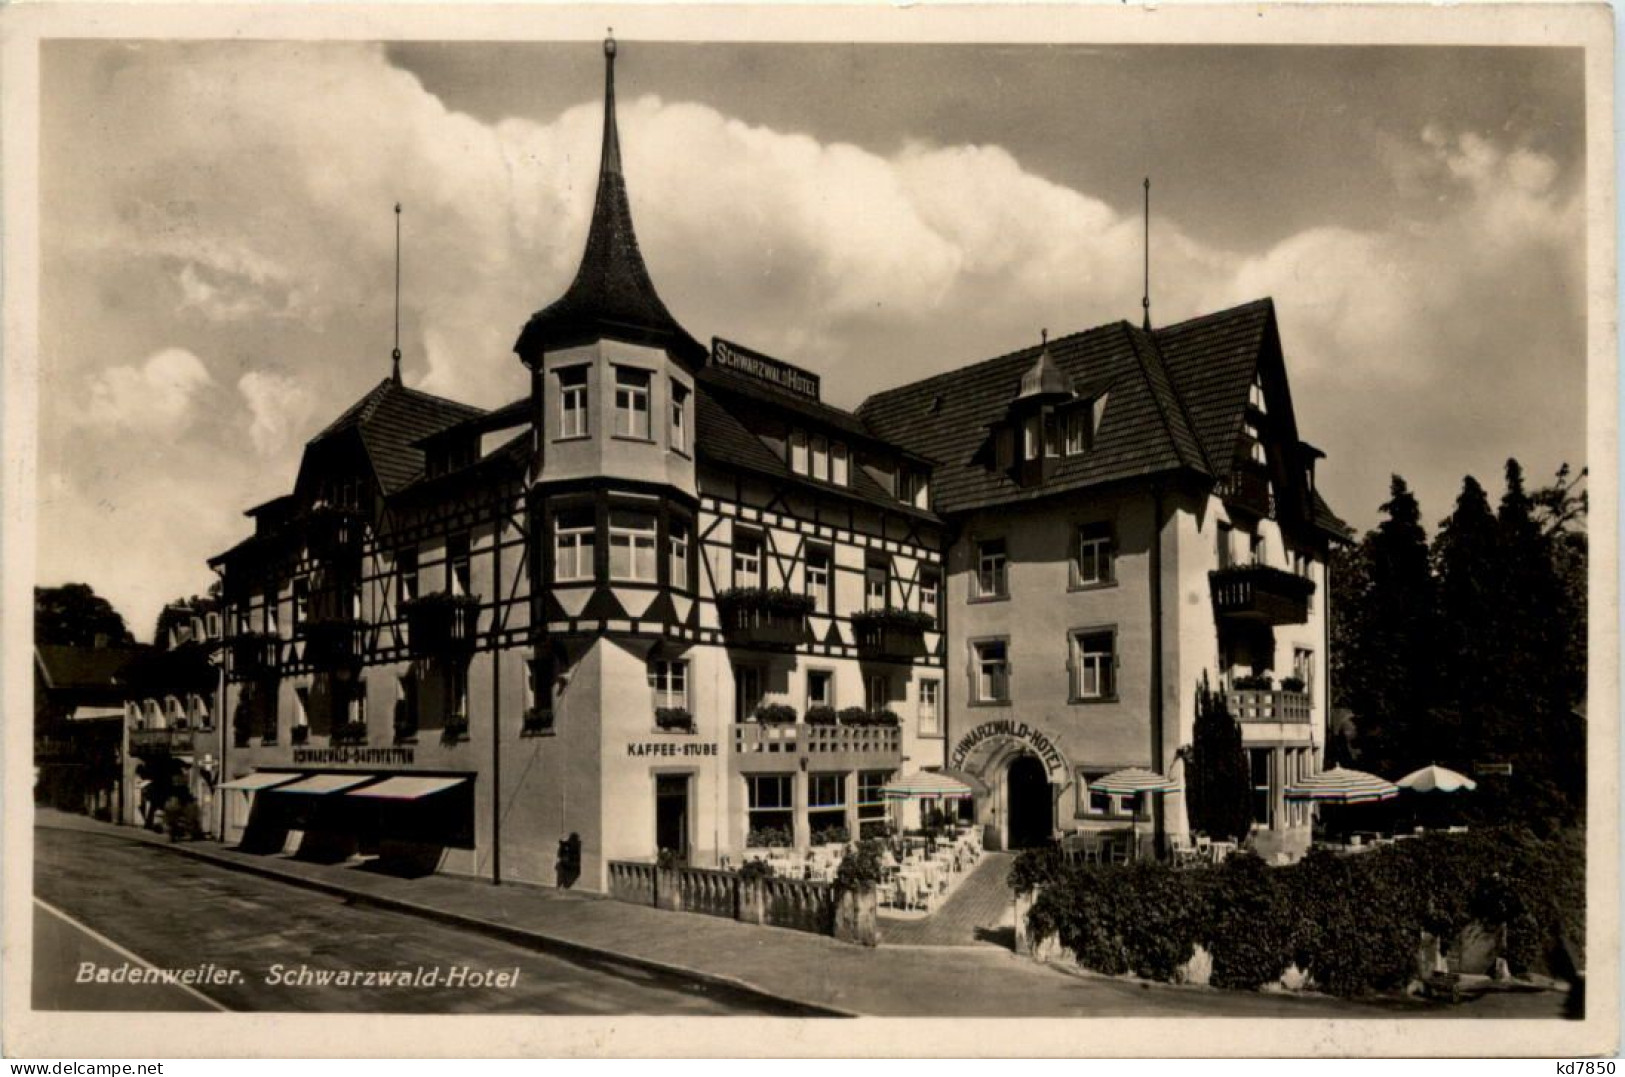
(1145, 300)
(611, 158)
(395, 356)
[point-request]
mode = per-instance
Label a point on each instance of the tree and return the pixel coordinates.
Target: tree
(1467, 557)
(1218, 785)
(75, 615)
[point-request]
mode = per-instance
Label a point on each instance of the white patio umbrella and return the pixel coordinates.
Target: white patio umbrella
(926, 785)
(1132, 781)
(1435, 779)
(1340, 785)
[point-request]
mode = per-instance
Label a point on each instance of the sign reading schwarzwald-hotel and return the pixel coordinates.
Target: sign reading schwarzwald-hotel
(1008, 729)
(764, 368)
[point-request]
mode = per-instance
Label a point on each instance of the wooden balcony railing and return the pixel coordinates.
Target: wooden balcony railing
(1261, 593)
(892, 635)
(1256, 705)
(333, 642)
(1248, 488)
(161, 741)
(763, 618)
(255, 654)
(441, 622)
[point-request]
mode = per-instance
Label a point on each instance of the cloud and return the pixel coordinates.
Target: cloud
(279, 408)
(248, 218)
(155, 396)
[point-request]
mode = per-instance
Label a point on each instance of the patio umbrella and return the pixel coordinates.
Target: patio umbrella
(1132, 781)
(925, 785)
(1435, 779)
(1340, 785)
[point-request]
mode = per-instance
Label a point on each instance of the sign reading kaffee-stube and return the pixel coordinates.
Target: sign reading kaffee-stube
(763, 368)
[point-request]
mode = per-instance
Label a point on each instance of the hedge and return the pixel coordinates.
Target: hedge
(1352, 922)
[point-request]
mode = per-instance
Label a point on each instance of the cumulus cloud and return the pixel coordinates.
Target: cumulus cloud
(152, 396)
(250, 217)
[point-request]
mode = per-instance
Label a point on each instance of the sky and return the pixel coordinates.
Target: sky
(217, 241)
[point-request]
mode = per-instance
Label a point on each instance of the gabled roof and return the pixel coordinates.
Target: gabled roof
(612, 296)
(390, 420)
(89, 672)
(821, 417)
(950, 418)
(1212, 361)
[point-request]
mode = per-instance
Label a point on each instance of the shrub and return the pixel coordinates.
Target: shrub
(754, 870)
(1352, 922)
(831, 835)
(860, 867)
(820, 715)
(1292, 684)
(853, 716)
(775, 714)
(767, 837)
(674, 719)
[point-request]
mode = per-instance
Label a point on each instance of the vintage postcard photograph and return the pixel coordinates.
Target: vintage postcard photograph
(844, 520)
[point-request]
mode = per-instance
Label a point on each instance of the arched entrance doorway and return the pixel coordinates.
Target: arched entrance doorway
(1031, 804)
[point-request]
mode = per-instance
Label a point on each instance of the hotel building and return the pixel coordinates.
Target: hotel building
(671, 599)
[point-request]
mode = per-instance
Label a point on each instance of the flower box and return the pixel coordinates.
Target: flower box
(674, 720)
(775, 714)
(893, 634)
(441, 622)
(763, 617)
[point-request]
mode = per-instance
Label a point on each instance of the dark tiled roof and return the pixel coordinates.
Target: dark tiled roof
(950, 417)
(510, 414)
(822, 416)
(1212, 361)
(1329, 521)
(390, 420)
(511, 455)
(612, 296)
(95, 670)
(722, 439)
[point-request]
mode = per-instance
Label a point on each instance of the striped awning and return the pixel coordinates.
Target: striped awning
(1132, 780)
(322, 784)
(403, 787)
(926, 785)
(260, 779)
(1341, 785)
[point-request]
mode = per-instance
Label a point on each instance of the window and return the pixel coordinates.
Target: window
(771, 808)
(747, 692)
(459, 569)
(631, 546)
(1093, 564)
(573, 545)
(747, 564)
(1031, 447)
(871, 799)
(798, 451)
(930, 594)
(355, 711)
(668, 681)
(679, 417)
(820, 458)
(876, 580)
(573, 402)
(539, 677)
(200, 713)
(876, 692)
(1226, 546)
(818, 558)
(1093, 665)
(301, 707)
(913, 487)
(406, 704)
(1077, 431)
(826, 805)
(677, 553)
(457, 693)
(631, 403)
(930, 715)
(1052, 436)
(1303, 668)
(992, 671)
(1256, 550)
(406, 574)
(1096, 805)
(243, 619)
(270, 614)
(838, 463)
(820, 688)
(1005, 449)
(990, 569)
(1255, 396)
(301, 601)
(1261, 762)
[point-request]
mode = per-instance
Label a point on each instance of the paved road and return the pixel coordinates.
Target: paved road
(119, 904)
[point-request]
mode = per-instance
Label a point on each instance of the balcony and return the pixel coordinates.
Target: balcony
(333, 533)
(763, 618)
(442, 622)
(337, 641)
(1258, 705)
(161, 741)
(891, 635)
(768, 746)
(255, 655)
(1248, 488)
(1261, 594)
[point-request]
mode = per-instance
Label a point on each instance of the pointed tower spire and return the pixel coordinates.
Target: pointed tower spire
(612, 297)
(1044, 379)
(395, 356)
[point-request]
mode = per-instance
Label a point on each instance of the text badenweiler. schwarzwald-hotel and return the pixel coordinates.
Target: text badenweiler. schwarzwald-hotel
(467, 635)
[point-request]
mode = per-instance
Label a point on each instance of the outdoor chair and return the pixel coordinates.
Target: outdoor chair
(1182, 852)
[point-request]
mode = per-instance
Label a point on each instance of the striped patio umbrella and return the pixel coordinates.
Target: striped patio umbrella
(1435, 779)
(1341, 785)
(925, 785)
(1132, 781)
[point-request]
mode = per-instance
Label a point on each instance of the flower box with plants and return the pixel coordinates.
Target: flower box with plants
(254, 654)
(1252, 682)
(768, 837)
(775, 714)
(764, 616)
(333, 641)
(350, 733)
(455, 729)
(862, 718)
(441, 621)
(674, 720)
(537, 720)
(831, 835)
(820, 715)
(891, 633)
(1292, 684)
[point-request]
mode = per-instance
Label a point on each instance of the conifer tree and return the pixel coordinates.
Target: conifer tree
(1218, 787)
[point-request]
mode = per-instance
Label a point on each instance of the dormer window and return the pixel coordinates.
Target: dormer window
(913, 487)
(1255, 395)
(820, 457)
(1031, 446)
(798, 451)
(838, 463)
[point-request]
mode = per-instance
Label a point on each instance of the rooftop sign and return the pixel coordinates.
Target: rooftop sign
(752, 364)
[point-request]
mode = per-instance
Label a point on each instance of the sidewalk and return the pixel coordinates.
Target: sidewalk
(811, 970)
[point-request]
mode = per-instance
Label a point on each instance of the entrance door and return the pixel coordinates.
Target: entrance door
(671, 814)
(1032, 807)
